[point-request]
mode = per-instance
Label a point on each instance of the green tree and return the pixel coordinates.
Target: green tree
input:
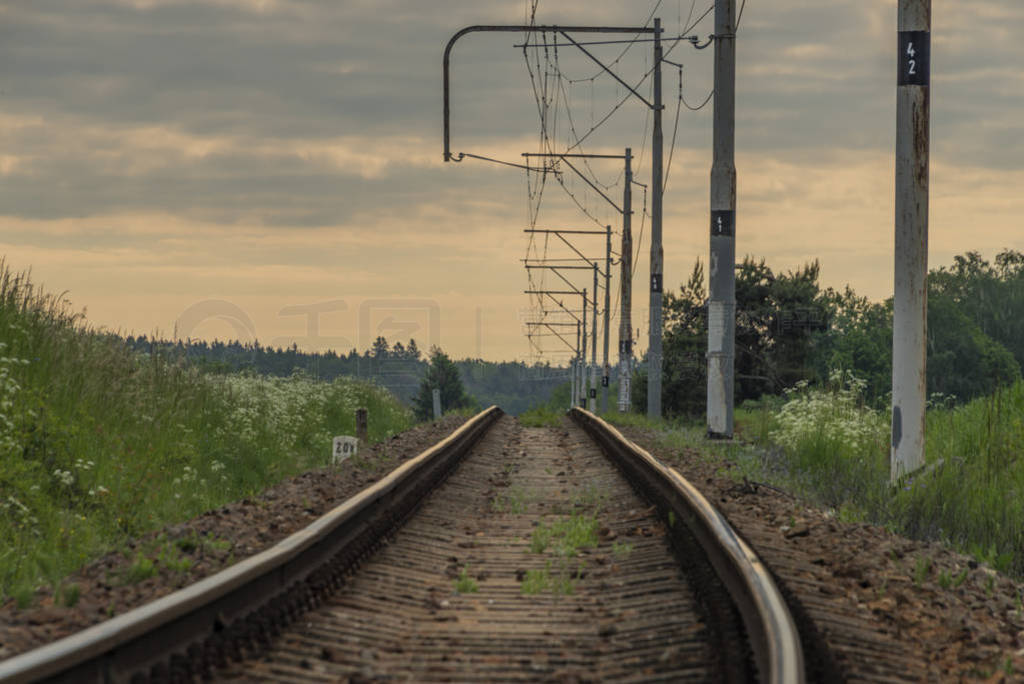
(380, 350)
(962, 360)
(778, 317)
(975, 332)
(858, 339)
(442, 374)
(990, 295)
(684, 368)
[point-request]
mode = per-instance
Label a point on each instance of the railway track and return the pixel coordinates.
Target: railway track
(501, 554)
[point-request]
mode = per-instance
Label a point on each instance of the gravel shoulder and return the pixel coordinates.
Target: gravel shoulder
(185, 553)
(937, 614)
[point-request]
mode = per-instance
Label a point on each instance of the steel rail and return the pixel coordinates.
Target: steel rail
(247, 602)
(770, 627)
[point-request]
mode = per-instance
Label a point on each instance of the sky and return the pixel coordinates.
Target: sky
(272, 169)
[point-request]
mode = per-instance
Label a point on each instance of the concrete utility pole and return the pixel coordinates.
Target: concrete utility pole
(910, 297)
(657, 254)
(722, 262)
(592, 393)
(606, 375)
(625, 317)
(583, 359)
(576, 369)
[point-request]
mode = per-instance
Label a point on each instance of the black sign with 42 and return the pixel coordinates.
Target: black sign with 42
(915, 58)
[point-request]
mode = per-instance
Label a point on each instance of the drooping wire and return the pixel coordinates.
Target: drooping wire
(639, 83)
(622, 54)
(675, 130)
(549, 87)
(575, 136)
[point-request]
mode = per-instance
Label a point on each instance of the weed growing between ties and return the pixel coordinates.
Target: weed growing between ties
(828, 446)
(99, 444)
(541, 416)
(563, 538)
(561, 583)
(621, 551)
(464, 583)
(514, 500)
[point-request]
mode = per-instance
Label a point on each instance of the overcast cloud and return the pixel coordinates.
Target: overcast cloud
(221, 138)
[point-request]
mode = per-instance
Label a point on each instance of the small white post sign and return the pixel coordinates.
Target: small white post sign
(343, 448)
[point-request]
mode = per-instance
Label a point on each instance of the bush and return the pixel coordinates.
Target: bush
(99, 443)
(832, 438)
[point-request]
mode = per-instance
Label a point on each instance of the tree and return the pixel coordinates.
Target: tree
(858, 339)
(380, 351)
(684, 368)
(991, 296)
(442, 374)
(412, 352)
(975, 340)
(777, 320)
(962, 360)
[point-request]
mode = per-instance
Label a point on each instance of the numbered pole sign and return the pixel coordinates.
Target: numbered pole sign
(915, 58)
(343, 448)
(655, 282)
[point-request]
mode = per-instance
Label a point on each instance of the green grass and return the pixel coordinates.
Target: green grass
(99, 444)
(541, 416)
(464, 583)
(68, 595)
(922, 568)
(593, 498)
(969, 495)
(538, 581)
(514, 500)
(621, 551)
(565, 536)
(142, 568)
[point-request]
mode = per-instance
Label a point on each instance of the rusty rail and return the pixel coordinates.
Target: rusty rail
(770, 627)
(244, 605)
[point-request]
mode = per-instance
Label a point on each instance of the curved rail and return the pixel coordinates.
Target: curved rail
(219, 613)
(770, 626)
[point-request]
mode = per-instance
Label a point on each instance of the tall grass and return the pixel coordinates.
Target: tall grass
(974, 493)
(99, 444)
(827, 445)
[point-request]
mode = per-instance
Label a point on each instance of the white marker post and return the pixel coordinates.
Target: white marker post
(437, 403)
(910, 296)
(343, 448)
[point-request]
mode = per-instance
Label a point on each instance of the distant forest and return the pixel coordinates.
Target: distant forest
(788, 330)
(513, 385)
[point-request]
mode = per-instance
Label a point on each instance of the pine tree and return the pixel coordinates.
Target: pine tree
(412, 351)
(442, 374)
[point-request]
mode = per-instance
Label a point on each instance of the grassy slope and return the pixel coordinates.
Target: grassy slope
(99, 444)
(828, 447)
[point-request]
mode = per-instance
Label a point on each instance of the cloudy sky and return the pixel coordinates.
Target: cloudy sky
(273, 168)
